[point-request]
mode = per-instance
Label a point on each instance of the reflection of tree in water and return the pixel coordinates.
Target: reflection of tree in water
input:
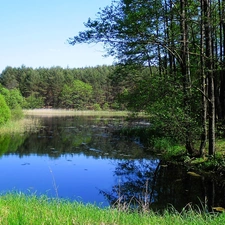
(148, 184)
(90, 136)
(10, 143)
(136, 183)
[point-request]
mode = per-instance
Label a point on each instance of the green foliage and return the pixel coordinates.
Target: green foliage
(155, 35)
(8, 78)
(17, 113)
(14, 101)
(46, 87)
(105, 106)
(5, 113)
(169, 148)
(5, 93)
(116, 105)
(82, 93)
(77, 95)
(164, 104)
(97, 107)
(33, 102)
(66, 97)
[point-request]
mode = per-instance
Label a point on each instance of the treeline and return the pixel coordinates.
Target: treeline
(55, 87)
(185, 40)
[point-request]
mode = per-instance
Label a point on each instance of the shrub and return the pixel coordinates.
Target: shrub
(13, 97)
(97, 107)
(105, 106)
(5, 113)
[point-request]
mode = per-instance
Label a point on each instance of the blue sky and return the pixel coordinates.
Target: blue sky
(34, 33)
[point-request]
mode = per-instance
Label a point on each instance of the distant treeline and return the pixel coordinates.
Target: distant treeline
(56, 87)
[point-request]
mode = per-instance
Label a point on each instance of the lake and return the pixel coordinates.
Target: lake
(79, 158)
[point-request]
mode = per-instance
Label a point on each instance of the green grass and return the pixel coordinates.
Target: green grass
(17, 208)
(168, 148)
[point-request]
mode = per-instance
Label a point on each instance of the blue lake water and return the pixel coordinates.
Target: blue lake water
(76, 177)
(79, 158)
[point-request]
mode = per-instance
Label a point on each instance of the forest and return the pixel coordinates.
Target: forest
(55, 87)
(169, 63)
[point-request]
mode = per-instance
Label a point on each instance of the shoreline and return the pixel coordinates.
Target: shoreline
(69, 112)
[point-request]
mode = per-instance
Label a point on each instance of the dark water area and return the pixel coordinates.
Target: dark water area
(78, 158)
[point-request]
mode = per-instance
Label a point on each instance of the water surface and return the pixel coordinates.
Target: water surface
(78, 158)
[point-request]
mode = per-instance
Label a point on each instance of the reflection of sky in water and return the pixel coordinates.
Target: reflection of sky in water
(71, 157)
(76, 177)
(79, 162)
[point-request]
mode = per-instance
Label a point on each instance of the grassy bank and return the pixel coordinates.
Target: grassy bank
(21, 209)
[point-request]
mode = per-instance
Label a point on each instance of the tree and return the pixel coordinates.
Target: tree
(42, 87)
(8, 78)
(77, 95)
(5, 113)
(210, 75)
(12, 97)
(14, 101)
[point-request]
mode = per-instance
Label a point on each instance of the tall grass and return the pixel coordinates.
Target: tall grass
(17, 208)
(19, 126)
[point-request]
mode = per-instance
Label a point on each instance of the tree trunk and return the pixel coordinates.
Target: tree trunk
(185, 70)
(210, 75)
(222, 62)
(204, 86)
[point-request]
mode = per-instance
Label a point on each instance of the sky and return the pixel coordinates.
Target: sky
(34, 33)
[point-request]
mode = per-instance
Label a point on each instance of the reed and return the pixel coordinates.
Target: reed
(64, 112)
(19, 126)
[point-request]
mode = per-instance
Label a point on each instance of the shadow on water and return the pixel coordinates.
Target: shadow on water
(80, 159)
(144, 185)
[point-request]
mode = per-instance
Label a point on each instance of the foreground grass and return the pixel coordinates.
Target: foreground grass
(17, 208)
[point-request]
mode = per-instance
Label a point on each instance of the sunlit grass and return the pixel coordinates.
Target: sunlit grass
(169, 149)
(17, 208)
(220, 147)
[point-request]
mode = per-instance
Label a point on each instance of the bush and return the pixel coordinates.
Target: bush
(13, 97)
(5, 113)
(105, 106)
(97, 107)
(115, 106)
